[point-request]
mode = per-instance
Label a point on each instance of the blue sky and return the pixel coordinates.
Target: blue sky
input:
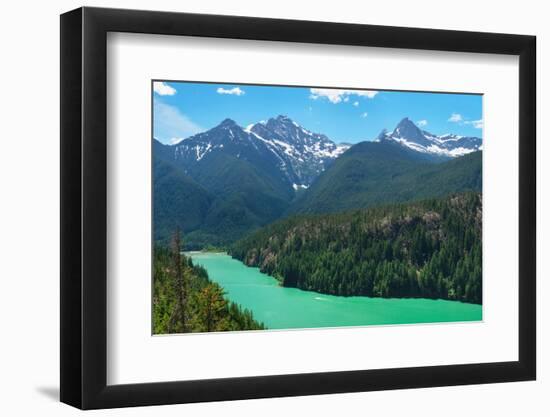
(182, 109)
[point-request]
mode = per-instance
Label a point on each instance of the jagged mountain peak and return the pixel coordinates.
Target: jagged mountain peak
(407, 129)
(228, 123)
(405, 121)
(279, 143)
(409, 135)
(382, 135)
(282, 120)
(283, 124)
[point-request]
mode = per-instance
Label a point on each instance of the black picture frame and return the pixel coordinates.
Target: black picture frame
(84, 207)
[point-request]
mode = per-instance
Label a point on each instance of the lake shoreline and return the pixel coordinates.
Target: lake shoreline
(199, 252)
(285, 308)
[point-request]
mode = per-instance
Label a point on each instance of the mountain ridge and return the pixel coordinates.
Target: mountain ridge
(373, 173)
(231, 180)
(407, 134)
(427, 248)
(294, 153)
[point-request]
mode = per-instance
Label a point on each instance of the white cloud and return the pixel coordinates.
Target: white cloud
(458, 118)
(365, 114)
(356, 103)
(346, 99)
(455, 118)
(235, 91)
(336, 96)
(170, 124)
(422, 123)
(163, 89)
(478, 124)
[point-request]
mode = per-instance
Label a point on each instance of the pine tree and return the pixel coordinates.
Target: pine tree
(212, 309)
(428, 249)
(178, 321)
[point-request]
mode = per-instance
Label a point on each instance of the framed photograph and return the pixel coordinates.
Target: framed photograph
(257, 208)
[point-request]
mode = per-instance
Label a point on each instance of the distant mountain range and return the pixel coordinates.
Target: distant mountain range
(223, 183)
(373, 173)
(407, 134)
(279, 145)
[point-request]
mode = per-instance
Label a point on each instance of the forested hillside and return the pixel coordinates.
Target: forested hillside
(429, 249)
(374, 173)
(225, 183)
(178, 201)
(185, 300)
(214, 202)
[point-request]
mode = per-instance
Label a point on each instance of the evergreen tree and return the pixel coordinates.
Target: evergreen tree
(184, 299)
(427, 249)
(178, 321)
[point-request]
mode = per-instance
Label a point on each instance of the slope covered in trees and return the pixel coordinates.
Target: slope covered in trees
(215, 202)
(178, 201)
(429, 249)
(374, 173)
(185, 300)
(222, 197)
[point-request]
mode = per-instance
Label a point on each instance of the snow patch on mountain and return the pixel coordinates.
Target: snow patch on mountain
(407, 134)
(299, 154)
(298, 186)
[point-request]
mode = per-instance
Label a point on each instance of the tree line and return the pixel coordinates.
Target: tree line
(185, 300)
(428, 249)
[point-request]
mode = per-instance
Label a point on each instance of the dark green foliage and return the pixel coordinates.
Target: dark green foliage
(185, 300)
(225, 174)
(222, 198)
(429, 249)
(246, 198)
(215, 202)
(372, 173)
(178, 201)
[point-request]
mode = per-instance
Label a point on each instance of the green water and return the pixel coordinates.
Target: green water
(285, 308)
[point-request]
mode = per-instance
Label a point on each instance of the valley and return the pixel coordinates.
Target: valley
(284, 228)
(279, 307)
(428, 249)
(222, 184)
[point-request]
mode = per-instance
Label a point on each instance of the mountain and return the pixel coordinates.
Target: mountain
(373, 173)
(208, 156)
(410, 136)
(430, 249)
(250, 176)
(236, 196)
(288, 153)
(226, 182)
(304, 154)
(177, 200)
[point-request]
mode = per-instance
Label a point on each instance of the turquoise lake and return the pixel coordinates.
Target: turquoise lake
(286, 308)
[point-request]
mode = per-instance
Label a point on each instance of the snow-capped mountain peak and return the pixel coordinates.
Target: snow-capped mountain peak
(307, 153)
(299, 154)
(406, 129)
(407, 134)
